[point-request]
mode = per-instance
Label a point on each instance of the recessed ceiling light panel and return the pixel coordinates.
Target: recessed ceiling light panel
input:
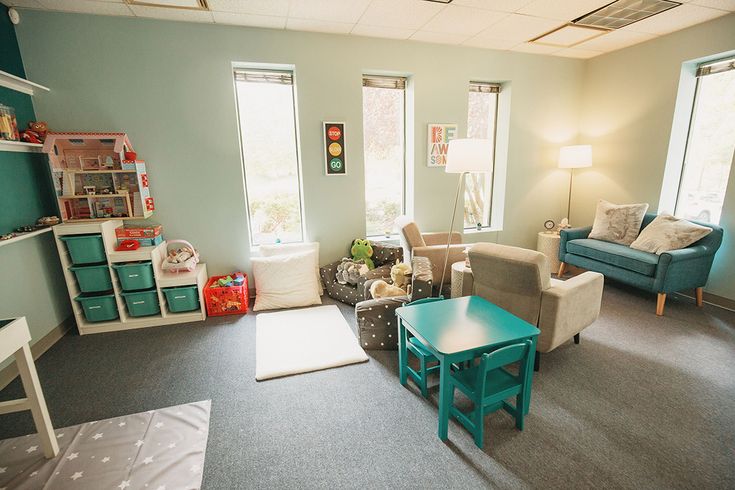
(172, 4)
(568, 35)
(624, 12)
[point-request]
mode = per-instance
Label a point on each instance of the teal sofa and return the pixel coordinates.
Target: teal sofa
(673, 271)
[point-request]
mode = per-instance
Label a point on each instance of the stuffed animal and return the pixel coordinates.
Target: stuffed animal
(400, 273)
(35, 133)
(362, 250)
(381, 289)
(349, 271)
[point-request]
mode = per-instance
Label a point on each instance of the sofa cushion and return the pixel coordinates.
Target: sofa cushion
(618, 223)
(615, 254)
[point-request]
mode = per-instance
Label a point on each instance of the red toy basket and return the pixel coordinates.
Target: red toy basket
(232, 300)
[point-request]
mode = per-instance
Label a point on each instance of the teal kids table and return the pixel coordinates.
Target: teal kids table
(459, 330)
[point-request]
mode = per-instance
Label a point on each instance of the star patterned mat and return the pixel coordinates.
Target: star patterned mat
(155, 450)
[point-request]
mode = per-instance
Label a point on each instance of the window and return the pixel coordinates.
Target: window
(481, 123)
(710, 144)
(384, 135)
(267, 114)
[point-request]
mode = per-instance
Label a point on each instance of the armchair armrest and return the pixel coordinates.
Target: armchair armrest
(568, 307)
(571, 234)
(441, 237)
(377, 325)
(436, 254)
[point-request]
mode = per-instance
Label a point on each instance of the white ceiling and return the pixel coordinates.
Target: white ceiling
(493, 24)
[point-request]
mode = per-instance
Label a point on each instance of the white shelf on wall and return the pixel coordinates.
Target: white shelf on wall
(23, 236)
(20, 84)
(21, 146)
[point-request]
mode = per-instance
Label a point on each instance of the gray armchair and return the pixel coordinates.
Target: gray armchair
(384, 256)
(377, 327)
(519, 281)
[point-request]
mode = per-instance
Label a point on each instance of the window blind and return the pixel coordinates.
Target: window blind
(384, 82)
(256, 76)
(715, 67)
(486, 88)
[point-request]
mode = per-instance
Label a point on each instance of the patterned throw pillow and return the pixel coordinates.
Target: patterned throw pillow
(669, 233)
(618, 223)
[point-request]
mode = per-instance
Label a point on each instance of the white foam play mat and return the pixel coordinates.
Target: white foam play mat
(156, 450)
(304, 340)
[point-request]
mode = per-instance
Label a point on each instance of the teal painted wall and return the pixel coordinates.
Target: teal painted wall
(627, 116)
(31, 280)
(169, 86)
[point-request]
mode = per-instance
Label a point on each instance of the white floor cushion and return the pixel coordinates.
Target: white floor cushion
(292, 248)
(285, 281)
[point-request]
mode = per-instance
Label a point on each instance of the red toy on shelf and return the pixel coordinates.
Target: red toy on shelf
(224, 299)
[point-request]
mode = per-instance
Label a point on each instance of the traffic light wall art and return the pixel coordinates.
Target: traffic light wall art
(334, 147)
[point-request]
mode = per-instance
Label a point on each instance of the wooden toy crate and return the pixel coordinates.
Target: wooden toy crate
(232, 300)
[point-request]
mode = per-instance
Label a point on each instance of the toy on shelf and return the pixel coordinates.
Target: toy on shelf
(48, 220)
(8, 124)
(181, 259)
(127, 245)
(94, 180)
(227, 295)
(36, 132)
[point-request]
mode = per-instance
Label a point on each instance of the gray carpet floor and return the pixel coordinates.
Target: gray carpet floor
(642, 402)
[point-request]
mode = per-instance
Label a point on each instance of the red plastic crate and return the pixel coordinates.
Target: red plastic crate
(231, 300)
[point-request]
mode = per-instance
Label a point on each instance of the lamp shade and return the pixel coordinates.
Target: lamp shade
(576, 156)
(469, 155)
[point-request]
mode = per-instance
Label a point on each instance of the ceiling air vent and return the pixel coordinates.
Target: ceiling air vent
(624, 12)
(172, 4)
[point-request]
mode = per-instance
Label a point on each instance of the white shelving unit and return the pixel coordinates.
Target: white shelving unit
(163, 280)
(20, 84)
(20, 146)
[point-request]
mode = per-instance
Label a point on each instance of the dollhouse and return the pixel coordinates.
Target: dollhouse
(95, 180)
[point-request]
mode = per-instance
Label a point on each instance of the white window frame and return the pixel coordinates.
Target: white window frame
(405, 174)
(274, 69)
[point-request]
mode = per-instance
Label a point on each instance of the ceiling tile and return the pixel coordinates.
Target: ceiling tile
(567, 10)
(379, 31)
(439, 37)
(404, 14)
(260, 7)
(252, 20)
(319, 26)
(463, 20)
(329, 10)
(674, 19)
(497, 5)
(615, 40)
(88, 7)
(519, 28)
(172, 14)
(535, 48)
(728, 5)
(577, 53)
(480, 42)
(30, 4)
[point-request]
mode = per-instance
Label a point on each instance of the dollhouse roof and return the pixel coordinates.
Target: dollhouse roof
(120, 139)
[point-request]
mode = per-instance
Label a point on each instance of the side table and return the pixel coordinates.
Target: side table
(462, 280)
(548, 244)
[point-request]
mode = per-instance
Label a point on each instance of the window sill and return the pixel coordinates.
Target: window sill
(485, 229)
(383, 238)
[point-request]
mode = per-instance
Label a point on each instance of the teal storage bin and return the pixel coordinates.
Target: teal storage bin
(98, 307)
(142, 303)
(92, 278)
(182, 299)
(85, 249)
(135, 276)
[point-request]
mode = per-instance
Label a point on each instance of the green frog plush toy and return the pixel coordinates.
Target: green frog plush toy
(362, 250)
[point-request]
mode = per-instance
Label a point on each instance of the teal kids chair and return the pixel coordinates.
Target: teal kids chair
(488, 385)
(424, 356)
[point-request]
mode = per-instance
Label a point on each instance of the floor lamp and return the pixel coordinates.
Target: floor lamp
(571, 157)
(465, 156)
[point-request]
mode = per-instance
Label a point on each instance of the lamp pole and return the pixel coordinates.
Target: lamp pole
(451, 228)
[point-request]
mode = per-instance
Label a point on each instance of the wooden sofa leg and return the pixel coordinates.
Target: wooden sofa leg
(698, 292)
(661, 300)
(562, 269)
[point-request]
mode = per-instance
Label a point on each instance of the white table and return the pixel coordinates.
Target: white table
(15, 341)
(548, 244)
(462, 280)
